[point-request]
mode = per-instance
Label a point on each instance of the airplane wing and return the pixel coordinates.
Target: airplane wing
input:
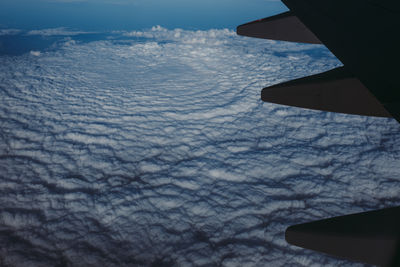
(365, 36)
(362, 34)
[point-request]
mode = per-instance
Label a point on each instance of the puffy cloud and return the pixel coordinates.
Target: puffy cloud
(35, 53)
(158, 150)
(211, 37)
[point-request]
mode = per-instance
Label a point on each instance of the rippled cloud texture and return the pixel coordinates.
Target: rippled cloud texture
(156, 149)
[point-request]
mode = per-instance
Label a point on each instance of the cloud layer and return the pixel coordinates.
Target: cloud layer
(156, 149)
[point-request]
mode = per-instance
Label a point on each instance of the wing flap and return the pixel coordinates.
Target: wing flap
(282, 27)
(335, 90)
(371, 237)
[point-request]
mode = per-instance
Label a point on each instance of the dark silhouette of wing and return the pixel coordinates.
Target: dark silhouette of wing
(284, 27)
(365, 36)
(370, 237)
(334, 90)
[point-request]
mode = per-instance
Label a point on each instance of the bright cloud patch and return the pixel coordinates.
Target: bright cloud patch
(35, 53)
(156, 149)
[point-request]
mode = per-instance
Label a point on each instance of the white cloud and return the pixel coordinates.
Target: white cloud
(35, 53)
(211, 37)
(162, 148)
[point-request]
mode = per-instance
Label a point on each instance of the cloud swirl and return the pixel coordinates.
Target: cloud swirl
(155, 149)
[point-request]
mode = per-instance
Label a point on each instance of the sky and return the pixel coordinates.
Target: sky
(133, 14)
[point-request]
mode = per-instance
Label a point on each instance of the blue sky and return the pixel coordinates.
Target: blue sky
(133, 14)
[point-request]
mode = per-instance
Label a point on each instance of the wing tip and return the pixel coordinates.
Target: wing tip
(283, 27)
(333, 91)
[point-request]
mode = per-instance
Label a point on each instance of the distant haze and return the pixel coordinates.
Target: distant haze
(112, 15)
